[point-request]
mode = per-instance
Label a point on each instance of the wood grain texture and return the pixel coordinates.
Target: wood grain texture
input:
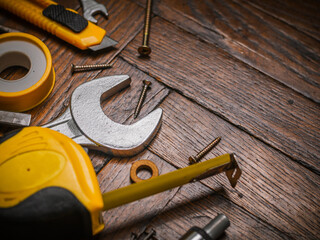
(132, 217)
(255, 37)
(237, 69)
(303, 15)
(196, 205)
(233, 90)
(272, 187)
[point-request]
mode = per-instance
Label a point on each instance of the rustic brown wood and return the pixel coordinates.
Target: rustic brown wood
(303, 15)
(256, 38)
(272, 187)
(191, 208)
(122, 221)
(243, 70)
(249, 99)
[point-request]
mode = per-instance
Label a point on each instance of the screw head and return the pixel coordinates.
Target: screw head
(144, 50)
(192, 160)
(146, 82)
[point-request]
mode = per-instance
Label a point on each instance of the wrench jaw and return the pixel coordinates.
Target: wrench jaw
(90, 8)
(137, 141)
(109, 136)
(86, 123)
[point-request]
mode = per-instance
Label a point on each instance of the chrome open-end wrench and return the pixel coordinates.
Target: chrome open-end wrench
(90, 8)
(85, 122)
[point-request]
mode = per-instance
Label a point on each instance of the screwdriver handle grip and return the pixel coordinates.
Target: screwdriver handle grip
(167, 181)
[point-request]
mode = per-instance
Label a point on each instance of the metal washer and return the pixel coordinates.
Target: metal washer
(143, 164)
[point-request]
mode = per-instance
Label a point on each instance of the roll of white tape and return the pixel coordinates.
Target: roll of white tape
(25, 50)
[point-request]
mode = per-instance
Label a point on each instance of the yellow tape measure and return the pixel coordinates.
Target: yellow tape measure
(22, 49)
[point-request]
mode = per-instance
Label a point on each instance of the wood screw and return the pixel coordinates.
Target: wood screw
(83, 68)
(145, 50)
(202, 153)
(146, 85)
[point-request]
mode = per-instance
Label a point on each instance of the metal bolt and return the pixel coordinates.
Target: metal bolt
(83, 68)
(145, 50)
(201, 154)
(146, 85)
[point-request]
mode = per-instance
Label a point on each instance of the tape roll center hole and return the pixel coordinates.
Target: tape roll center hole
(14, 65)
(144, 172)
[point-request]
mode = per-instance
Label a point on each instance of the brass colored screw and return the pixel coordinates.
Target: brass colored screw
(83, 68)
(146, 85)
(201, 154)
(145, 50)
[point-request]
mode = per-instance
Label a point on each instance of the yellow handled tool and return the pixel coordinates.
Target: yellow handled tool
(48, 186)
(66, 24)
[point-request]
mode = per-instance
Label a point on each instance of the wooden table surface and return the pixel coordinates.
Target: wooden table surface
(247, 71)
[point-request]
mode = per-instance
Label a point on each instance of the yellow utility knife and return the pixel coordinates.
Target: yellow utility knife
(66, 24)
(49, 190)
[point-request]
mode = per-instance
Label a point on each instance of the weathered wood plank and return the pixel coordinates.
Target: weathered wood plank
(195, 205)
(249, 99)
(273, 188)
(132, 217)
(253, 36)
(303, 15)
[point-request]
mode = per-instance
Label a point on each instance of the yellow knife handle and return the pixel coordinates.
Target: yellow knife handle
(225, 163)
(32, 12)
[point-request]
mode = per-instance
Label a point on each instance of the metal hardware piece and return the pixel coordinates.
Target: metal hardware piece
(145, 50)
(146, 85)
(232, 170)
(213, 230)
(15, 119)
(104, 44)
(83, 68)
(150, 236)
(90, 8)
(202, 153)
(143, 164)
(85, 122)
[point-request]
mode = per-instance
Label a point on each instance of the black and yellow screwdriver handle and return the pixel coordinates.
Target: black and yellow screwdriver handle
(48, 187)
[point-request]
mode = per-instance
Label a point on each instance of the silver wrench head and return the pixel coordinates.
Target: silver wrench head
(109, 136)
(90, 8)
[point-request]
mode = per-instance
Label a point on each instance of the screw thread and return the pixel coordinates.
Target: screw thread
(89, 67)
(204, 151)
(141, 98)
(147, 21)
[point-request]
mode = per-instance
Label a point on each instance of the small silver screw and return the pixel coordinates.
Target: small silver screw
(83, 68)
(201, 154)
(146, 85)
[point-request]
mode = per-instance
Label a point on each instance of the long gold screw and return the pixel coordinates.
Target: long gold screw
(146, 85)
(201, 154)
(145, 50)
